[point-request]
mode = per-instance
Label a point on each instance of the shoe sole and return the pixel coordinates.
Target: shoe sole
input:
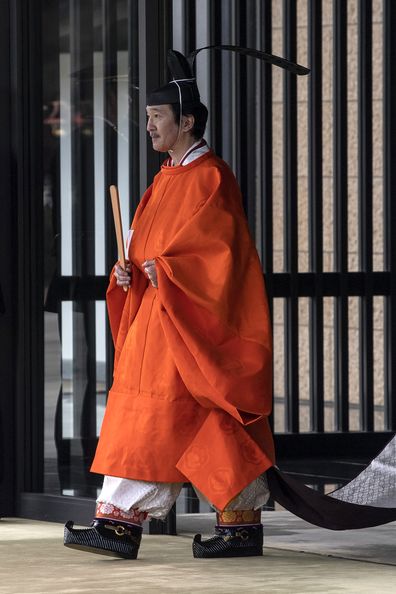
(230, 553)
(97, 551)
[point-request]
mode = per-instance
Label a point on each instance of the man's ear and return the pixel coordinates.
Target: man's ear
(188, 123)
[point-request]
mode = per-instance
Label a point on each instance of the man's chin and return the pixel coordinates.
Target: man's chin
(160, 148)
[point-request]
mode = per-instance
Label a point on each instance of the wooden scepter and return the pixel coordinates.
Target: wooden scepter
(115, 203)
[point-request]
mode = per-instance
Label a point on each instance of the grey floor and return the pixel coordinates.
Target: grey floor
(297, 559)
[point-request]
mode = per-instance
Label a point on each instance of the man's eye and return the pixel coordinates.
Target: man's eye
(154, 116)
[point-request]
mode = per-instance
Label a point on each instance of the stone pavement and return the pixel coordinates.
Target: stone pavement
(34, 561)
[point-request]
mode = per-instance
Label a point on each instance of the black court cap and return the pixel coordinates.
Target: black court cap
(183, 89)
(183, 86)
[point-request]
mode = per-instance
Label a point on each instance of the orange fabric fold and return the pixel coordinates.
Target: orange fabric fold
(222, 459)
(195, 355)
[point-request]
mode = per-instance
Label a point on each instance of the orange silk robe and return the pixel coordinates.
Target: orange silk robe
(192, 386)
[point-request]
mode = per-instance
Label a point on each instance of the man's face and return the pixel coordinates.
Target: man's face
(162, 127)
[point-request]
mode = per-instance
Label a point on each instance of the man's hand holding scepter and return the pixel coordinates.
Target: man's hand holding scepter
(122, 271)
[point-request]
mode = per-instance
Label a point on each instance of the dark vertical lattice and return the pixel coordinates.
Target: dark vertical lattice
(340, 198)
(315, 189)
(365, 190)
(389, 127)
(290, 219)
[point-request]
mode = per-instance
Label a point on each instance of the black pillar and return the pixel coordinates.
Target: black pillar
(7, 282)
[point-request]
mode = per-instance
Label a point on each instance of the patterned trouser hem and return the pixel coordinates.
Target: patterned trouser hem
(111, 512)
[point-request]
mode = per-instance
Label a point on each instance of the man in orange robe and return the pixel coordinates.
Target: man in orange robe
(192, 386)
(192, 376)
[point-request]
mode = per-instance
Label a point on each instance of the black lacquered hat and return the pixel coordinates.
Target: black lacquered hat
(182, 88)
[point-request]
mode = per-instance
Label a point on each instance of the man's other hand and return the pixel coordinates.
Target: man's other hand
(123, 276)
(151, 272)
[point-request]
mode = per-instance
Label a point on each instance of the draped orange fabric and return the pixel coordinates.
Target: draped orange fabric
(192, 383)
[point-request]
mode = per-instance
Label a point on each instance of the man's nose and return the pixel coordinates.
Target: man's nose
(150, 125)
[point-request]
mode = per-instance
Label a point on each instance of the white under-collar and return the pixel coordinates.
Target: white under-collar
(194, 152)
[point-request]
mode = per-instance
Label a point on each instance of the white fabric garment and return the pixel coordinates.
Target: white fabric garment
(193, 153)
(154, 498)
(157, 498)
(376, 484)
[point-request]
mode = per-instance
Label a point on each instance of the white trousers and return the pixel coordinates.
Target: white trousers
(157, 498)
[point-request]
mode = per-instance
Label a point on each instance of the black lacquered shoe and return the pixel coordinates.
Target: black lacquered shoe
(238, 541)
(104, 538)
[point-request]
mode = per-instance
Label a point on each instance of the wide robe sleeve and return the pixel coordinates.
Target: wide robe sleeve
(215, 318)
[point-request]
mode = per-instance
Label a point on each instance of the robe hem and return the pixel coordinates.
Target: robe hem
(118, 472)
